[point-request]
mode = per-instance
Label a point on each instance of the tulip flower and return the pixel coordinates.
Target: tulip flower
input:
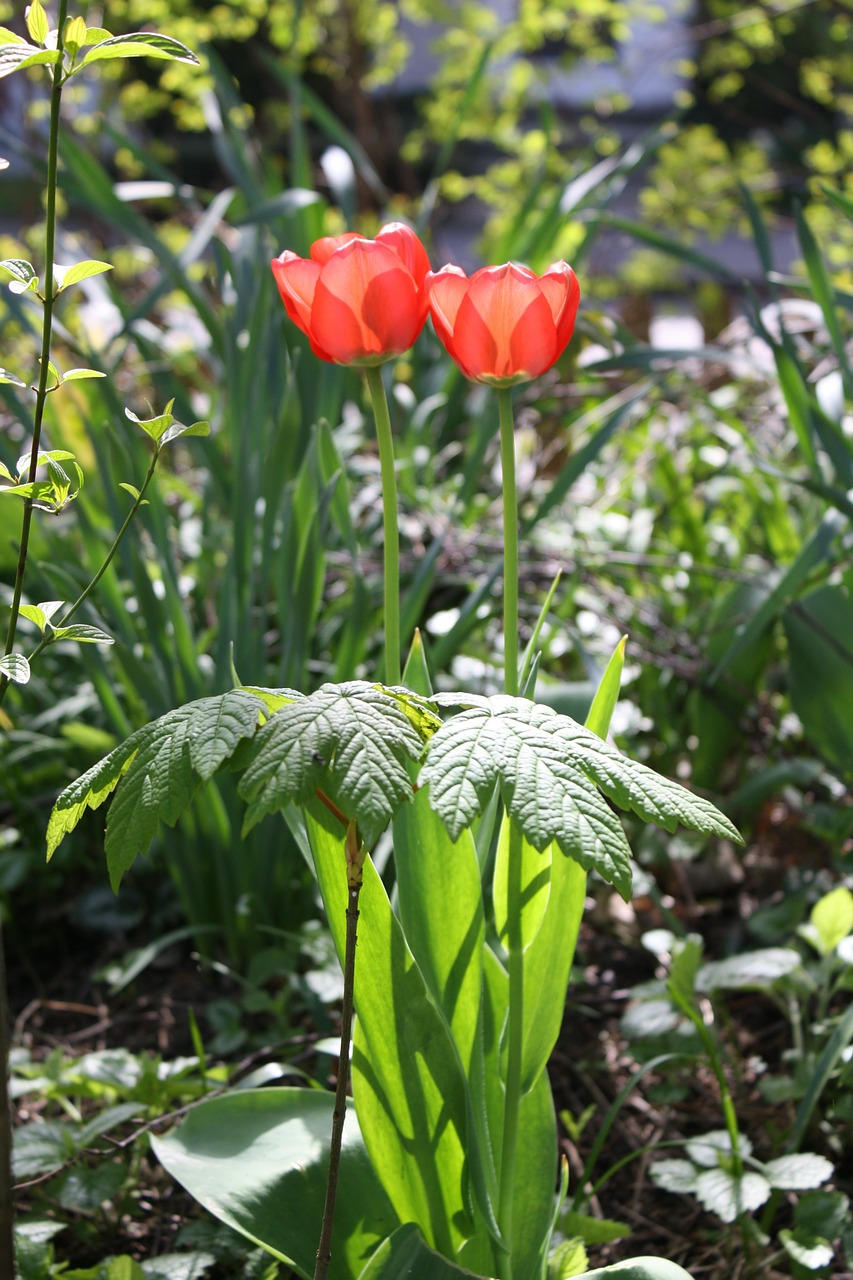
(504, 324)
(358, 301)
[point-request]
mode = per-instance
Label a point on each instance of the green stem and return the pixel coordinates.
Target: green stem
(47, 330)
(393, 669)
(355, 863)
(515, 1047)
(83, 596)
(510, 504)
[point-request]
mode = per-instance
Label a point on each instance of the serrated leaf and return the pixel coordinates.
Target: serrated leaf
(140, 44)
(15, 667)
(728, 1195)
(811, 1252)
(673, 1175)
(707, 1149)
(800, 1172)
(353, 734)
(274, 699)
(549, 768)
(83, 634)
(77, 375)
(756, 969)
(162, 765)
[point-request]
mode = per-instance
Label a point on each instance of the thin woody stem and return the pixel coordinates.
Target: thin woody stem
(355, 851)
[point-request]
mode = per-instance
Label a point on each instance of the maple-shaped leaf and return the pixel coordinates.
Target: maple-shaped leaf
(551, 772)
(161, 766)
(352, 739)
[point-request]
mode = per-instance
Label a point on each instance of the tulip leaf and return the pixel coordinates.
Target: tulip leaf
(550, 770)
(355, 736)
(405, 1254)
(162, 765)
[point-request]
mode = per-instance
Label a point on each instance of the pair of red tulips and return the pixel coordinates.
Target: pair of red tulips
(365, 301)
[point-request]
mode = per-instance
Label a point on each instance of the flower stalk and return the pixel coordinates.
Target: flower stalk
(390, 531)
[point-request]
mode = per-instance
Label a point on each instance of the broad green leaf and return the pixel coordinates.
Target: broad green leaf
(139, 44)
(521, 887)
(830, 920)
(37, 23)
(10, 37)
(257, 1160)
(811, 1252)
(536, 1163)
(729, 1195)
(639, 1269)
(354, 735)
(593, 1230)
(801, 1172)
(153, 427)
(13, 380)
(17, 57)
(64, 277)
(405, 1254)
(755, 970)
(568, 1259)
(409, 1089)
(162, 765)
(549, 769)
(83, 634)
(14, 666)
(819, 632)
(823, 1213)
(18, 268)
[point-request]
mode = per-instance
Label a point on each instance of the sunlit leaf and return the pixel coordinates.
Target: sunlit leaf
(78, 375)
(64, 277)
(83, 634)
(139, 44)
(15, 667)
(37, 23)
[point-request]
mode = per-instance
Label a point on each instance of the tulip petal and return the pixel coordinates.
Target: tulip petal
(322, 249)
(297, 280)
(366, 304)
(504, 328)
(408, 248)
(446, 289)
(560, 286)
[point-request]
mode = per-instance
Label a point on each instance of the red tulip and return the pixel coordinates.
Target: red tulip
(505, 324)
(358, 301)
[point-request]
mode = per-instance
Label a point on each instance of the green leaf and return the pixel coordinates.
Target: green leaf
(568, 1259)
(639, 1269)
(82, 634)
(257, 1159)
(10, 37)
(355, 736)
(75, 35)
(405, 1254)
(674, 1175)
(64, 277)
(176, 429)
(811, 1252)
(409, 1087)
(16, 57)
(755, 970)
(37, 23)
(131, 489)
(34, 613)
(593, 1230)
(139, 44)
(728, 1195)
(77, 375)
(800, 1172)
(14, 666)
(686, 959)
(6, 376)
(831, 919)
(162, 765)
(607, 694)
(18, 269)
(548, 768)
(819, 632)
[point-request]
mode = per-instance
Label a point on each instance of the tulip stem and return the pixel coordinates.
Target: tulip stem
(510, 502)
(393, 671)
